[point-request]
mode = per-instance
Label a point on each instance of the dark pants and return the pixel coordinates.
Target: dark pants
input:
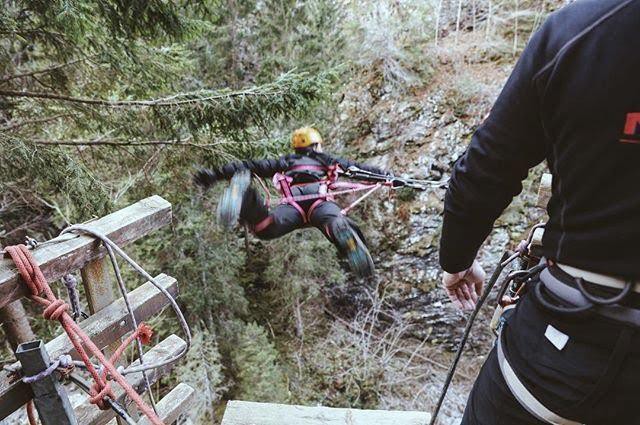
(594, 379)
(285, 218)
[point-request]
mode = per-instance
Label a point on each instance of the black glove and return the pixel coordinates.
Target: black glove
(205, 178)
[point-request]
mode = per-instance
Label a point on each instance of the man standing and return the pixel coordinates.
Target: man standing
(570, 353)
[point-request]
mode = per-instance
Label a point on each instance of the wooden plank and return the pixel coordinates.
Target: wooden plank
(174, 404)
(545, 190)
(71, 252)
(50, 397)
(251, 413)
(88, 414)
(99, 291)
(98, 284)
(111, 323)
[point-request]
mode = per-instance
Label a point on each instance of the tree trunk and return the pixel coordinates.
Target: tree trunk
(15, 323)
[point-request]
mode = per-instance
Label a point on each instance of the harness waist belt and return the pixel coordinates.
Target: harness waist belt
(573, 296)
(597, 278)
(523, 395)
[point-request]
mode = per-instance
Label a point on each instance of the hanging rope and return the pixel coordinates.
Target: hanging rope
(504, 261)
(112, 250)
(57, 309)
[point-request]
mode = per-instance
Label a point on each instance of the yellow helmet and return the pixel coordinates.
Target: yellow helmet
(305, 137)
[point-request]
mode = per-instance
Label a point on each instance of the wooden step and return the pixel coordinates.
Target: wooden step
(251, 413)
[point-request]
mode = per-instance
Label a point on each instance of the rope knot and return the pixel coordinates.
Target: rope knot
(98, 394)
(55, 310)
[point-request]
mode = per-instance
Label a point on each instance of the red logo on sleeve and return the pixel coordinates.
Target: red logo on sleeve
(632, 128)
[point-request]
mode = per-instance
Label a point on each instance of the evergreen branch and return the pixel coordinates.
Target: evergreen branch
(118, 142)
(55, 173)
(147, 103)
(13, 126)
(178, 99)
(40, 71)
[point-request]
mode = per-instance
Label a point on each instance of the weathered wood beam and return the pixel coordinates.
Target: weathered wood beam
(88, 414)
(100, 292)
(174, 404)
(71, 252)
(247, 412)
(103, 328)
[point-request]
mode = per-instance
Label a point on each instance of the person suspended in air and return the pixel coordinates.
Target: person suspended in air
(304, 178)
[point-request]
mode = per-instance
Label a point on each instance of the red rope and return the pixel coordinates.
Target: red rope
(31, 413)
(56, 309)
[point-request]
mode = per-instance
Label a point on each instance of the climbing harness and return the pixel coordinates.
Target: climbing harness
(574, 299)
(578, 300)
(568, 300)
(100, 392)
(330, 187)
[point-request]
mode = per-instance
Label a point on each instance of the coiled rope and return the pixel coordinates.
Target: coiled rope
(57, 309)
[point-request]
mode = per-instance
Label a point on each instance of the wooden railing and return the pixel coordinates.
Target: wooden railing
(109, 320)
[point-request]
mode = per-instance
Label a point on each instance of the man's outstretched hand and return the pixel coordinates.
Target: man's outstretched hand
(464, 287)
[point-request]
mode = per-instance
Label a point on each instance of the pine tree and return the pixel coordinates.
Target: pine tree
(256, 360)
(115, 88)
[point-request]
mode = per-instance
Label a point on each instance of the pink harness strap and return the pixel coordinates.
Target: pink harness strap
(263, 224)
(313, 207)
(283, 183)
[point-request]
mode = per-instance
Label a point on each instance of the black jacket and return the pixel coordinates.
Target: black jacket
(574, 99)
(287, 164)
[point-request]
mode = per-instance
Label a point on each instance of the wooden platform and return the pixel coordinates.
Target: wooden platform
(251, 413)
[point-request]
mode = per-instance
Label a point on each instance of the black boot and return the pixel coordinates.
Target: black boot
(351, 246)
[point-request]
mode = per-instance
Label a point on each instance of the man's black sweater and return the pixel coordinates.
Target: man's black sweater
(574, 99)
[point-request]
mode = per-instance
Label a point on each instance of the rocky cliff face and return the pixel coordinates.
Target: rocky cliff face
(421, 133)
